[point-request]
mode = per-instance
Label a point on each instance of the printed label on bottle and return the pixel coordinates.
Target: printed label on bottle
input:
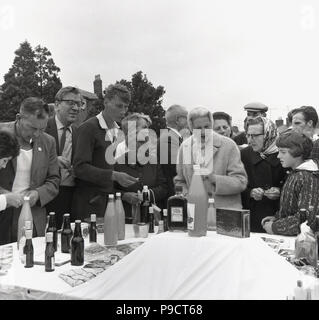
(190, 216)
(176, 214)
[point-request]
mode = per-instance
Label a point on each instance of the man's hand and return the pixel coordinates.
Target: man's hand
(131, 197)
(123, 178)
(268, 227)
(34, 197)
(257, 193)
(267, 219)
(273, 193)
(14, 199)
(63, 163)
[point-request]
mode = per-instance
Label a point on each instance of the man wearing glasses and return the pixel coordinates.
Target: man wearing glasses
(61, 126)
(35, 172)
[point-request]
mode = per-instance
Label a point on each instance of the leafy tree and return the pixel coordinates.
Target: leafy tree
(33, 73)
(49, 82)
(146, 99)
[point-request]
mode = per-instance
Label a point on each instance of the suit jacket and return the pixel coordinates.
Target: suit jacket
(167, 150)
(45, 177)
(223, 160)
(52, 130)
(93, 173)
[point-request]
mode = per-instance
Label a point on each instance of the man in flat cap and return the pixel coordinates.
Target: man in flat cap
(253, 109)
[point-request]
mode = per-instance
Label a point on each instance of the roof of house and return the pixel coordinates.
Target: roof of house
(88, 95)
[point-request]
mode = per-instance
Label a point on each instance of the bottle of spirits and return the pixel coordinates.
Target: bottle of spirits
(28, 249)
(52, 228)
(211, 215)
(177, 211)
(27, 226)
(49, 253)
(77, 245)
(110, 223)
(66, 234)
(197, 205)
(165, 220)
(25, 215)
(145, 205)
(151, 219)
(93, 230)
(120, 216)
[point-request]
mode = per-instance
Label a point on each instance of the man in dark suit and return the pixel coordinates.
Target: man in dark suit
(62, 128)
(169, 142)
(92, 167)
(35, 172)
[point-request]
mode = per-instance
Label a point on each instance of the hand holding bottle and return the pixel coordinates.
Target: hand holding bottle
(14, 199)
(34, 197)
(131, 197)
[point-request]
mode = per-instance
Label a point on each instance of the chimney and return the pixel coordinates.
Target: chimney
(97, 85)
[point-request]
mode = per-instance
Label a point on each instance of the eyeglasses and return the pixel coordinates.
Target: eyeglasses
(254, 135)
(73, 103)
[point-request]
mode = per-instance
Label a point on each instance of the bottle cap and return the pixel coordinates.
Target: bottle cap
(28, 224)
(111, 196)
(52, 213)
(26, 198)
(211, 200)
(299, 283)
(49, 237)
(66, 215)
(150, 210)
(164, 212)
(118, 194)
(77, 221)
(93, 217)
(28, 234)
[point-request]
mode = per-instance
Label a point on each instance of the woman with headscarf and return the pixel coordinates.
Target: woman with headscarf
(265, 173)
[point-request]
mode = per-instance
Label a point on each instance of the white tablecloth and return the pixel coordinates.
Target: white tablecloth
(167, 266)
(176, 266)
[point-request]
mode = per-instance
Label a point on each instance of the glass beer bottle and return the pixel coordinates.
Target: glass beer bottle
(93, 230)
(52, 228)
(49, 253)
(66, 234)
(77, 245)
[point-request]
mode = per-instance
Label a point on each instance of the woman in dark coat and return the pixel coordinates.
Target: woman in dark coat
(149, 173)
(265, 173)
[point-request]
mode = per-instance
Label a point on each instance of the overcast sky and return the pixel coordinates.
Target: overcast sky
(219, 54)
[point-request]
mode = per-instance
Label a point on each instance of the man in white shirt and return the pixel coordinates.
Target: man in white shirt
(35, 171)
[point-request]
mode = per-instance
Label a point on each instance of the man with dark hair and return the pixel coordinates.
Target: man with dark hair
(305, 120)
(35, 171)
(94, 174)
(67, 106)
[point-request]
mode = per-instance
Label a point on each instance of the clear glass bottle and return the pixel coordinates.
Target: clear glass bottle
(211, 215)
(197, 205)
(77, 245)
(27, 226)
(25, 215)
(120, 216)
(177, 211)
(110, 223)
(66, 234)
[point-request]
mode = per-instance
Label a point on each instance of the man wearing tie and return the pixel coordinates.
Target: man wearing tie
(35, 172)
(169, 142)
(94, 173)
(67, 106)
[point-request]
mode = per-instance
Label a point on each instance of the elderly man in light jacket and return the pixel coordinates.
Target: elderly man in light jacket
(224, 174)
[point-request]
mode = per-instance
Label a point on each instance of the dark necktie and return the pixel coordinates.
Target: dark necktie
(63, 138)
(180, 139)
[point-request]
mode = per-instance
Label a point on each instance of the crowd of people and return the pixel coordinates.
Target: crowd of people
(66, 168)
